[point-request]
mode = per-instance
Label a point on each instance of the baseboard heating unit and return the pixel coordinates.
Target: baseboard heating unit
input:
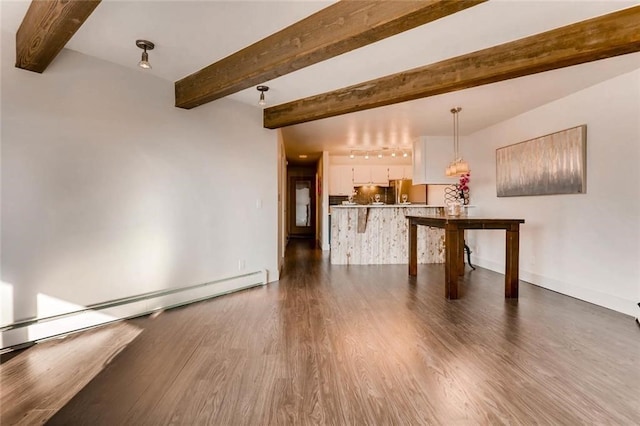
(29, 331)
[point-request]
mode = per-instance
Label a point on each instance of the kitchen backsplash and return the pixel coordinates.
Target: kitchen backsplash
(366, 194)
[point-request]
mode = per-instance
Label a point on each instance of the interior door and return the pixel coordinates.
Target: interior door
(302, 206)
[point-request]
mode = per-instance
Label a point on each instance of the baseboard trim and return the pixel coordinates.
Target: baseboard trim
(569, 289)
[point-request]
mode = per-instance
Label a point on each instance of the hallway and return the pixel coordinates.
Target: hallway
(351, 345)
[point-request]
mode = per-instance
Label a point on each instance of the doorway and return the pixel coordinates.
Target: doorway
(302, 203)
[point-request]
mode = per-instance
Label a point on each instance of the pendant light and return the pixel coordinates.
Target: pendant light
(458, 166)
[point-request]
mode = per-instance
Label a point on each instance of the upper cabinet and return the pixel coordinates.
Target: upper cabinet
(344, 177)
(371, 175)
(400, 172)
(340, 180)
(431, 155)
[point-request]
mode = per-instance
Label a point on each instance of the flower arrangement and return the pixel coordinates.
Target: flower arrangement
(463, 186)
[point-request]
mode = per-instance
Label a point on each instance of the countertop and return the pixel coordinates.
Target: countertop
(342, 206)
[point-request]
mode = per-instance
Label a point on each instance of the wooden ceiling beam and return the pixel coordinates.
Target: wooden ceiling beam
(603, 37)
(339, 28)
(46, 28)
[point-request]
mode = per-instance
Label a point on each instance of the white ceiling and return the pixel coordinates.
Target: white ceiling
(192, 34)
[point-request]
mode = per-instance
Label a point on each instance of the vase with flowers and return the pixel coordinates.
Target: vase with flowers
(463, 188)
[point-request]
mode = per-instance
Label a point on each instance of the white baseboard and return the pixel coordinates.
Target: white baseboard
(609, 301)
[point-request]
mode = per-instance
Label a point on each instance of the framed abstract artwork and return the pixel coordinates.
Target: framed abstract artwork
(551, 164)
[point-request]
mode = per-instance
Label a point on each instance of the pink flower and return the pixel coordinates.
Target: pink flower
(463, 183)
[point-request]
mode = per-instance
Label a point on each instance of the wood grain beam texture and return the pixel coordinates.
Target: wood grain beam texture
(603, 37)
(339, 28)
(46, 28)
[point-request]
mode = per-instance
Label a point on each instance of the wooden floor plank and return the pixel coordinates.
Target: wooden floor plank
(40, 380)
(332, 344)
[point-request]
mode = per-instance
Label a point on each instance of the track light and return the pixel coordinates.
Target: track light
(262, 89)
(379, 153)
(145, 45)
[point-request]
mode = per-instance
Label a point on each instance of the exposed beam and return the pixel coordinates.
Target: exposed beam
(603, 37)
(46, 29)
(337, 29)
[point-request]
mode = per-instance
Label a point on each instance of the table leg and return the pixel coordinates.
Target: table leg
(461, 252)
(413, 249)
(511, 265)
(451, 254)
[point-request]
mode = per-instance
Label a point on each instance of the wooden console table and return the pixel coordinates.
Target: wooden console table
(454, 247)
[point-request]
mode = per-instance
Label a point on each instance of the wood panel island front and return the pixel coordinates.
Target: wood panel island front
(378, 234)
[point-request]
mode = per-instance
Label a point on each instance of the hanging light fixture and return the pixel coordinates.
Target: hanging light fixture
(145, 45)
(458, 166)
(262, 89)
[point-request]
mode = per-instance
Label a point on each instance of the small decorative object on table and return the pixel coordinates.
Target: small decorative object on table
(463, 188)
(453, 208)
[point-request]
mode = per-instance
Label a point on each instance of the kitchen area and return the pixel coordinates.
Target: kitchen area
(368, 201)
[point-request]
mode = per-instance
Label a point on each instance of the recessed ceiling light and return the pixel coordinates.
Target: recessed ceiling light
(303, 156)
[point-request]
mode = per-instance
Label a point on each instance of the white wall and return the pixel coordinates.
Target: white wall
(282, 200)
(583, 245)
(108, 190)
(326, 164)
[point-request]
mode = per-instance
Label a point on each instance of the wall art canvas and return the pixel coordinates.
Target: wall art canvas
(551, 164)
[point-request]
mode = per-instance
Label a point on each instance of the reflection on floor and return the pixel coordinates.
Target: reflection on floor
(38, 381)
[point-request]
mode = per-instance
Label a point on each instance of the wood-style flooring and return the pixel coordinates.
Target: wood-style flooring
(368, 345)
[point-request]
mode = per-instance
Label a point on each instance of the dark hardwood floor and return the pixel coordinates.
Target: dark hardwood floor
(347, 345)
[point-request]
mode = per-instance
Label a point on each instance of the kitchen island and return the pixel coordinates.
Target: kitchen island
(378, 234)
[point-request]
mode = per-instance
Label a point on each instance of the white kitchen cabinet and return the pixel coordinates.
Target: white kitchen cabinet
(431, 155)
(340, 180)
(380, 175)
(400, 172)
(361, 175)
(371, 175)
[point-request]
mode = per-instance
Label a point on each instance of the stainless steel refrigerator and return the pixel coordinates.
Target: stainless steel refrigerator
(400, 187)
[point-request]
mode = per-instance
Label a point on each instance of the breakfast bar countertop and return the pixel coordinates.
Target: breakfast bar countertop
(386, 205)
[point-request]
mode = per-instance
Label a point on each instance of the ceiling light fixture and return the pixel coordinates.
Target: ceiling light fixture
(379, 153)
(458, 166)
(262, 89)
(145, 45)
